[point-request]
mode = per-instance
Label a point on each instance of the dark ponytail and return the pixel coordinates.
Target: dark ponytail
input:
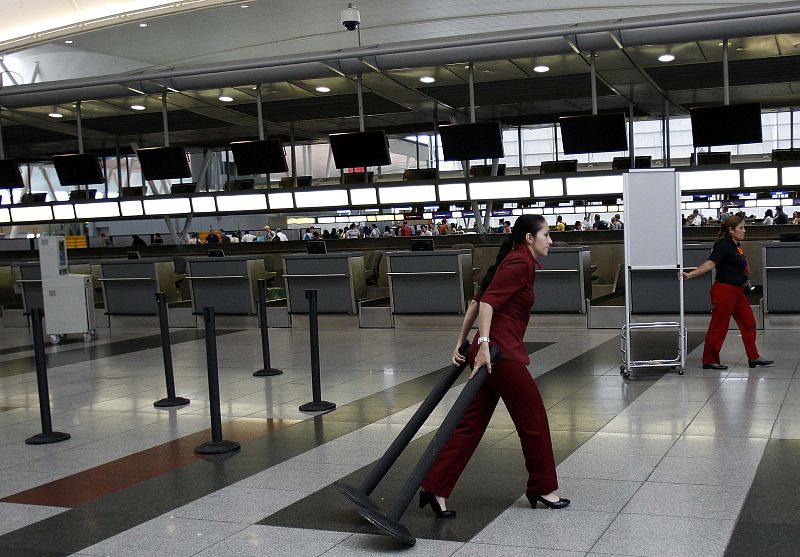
(525, 224)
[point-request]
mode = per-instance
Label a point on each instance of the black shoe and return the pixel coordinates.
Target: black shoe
(718, 367)
(428, 498)
(535, 499)
(760, 362)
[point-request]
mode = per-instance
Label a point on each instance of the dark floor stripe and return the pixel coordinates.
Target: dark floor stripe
(495, 477)
(76, 529)
(100, 481)
(27, 348)
(95, 351)
(769, 523)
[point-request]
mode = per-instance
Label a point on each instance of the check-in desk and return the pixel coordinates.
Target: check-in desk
(29, 277)
(564, 282)
(657, 291)
(338, 279)
(130, 285)
(429, 282)
(781, 284)
(228, 284)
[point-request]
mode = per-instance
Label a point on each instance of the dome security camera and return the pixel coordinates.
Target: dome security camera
(350, 17)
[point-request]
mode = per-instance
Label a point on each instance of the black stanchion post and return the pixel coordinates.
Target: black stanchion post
(267, 370)
(217, 445)
(47, 435)
(166, 350)
(317, 404)
(361, 495)
(389, 522)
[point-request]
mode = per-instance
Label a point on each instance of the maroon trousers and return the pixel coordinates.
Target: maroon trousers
(729, 301)
(512, 382)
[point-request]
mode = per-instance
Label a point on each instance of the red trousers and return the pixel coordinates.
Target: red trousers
(729, 301)
(512, 382)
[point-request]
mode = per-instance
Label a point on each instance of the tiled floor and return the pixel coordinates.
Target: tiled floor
(660, 465)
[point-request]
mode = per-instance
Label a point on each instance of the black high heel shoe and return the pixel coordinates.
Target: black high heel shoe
(428, 498)
(535, 499)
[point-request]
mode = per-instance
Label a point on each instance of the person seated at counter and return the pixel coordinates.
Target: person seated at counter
(424, 231)
(768, 220)
(506, 227)
(309, 235)
(780, 216)
(459, 230)
(194, 238)
(616, 222)
(560, 226)
(280, 236)
(248, 237)
(211, 237)
(269, 235)
(695, 219)
(796, 217)
(578, 226)
(137, 241)
(158, 240)
(387, 231)
(599, 224)
(224, 238)
(353, 232)
(374, 233)
(404, 229)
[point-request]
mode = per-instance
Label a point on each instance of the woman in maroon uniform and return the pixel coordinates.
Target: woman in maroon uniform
(728, 295)
(502, 307)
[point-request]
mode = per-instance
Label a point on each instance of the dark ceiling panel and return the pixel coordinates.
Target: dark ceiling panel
(21, 135)
(317, 108)
(518, 90)
(782, 69)
(151, 122)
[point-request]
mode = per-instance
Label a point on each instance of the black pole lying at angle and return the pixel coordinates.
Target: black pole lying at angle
(317, 404)
(389, 523)
(267, 370)
(217, 445)
(166, 351)
(47, 435)
(361, 495)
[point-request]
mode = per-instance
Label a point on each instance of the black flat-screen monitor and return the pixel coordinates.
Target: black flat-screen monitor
(78, 170)
(558, 167)
(259, 157)
(316, 247)
(133, 191)
(188, 187)
(32, 198)
(164, 163)
(352, 150)
(463, 142)
(481, 170)
(726, 125)
(624, 163)
(134, 255)
(10, 176)
(422, 244)
(215, 253)
(779, 155)
(722, 157)
(82, 194)
(598, 133)
(238, 185)
(792, 237)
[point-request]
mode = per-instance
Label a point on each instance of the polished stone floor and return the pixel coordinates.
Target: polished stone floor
(661, 464)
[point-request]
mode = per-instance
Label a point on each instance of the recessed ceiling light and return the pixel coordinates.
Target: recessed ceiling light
(244, 6)
(541, 68)
(666, 58)
(142, 25)
(740, 49)
(55, 115)
(427, 79)
(68, 41)
(137, 107)
(323, 89)
(486, 71)
(226, 99)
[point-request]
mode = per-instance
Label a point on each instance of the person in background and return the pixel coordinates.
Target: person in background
(193, 239)
(599, 224)
(137, 241)
(105, 241)
(260, 237)
(768, 220)
(424, 231)
(340, 234)
(314, 236)
(280, 236)
(796, 217)
(374, 233)
(334, 234)
(224, 238)
(269, 235)
(780, 216)
(309, 235)
(585, 224)
(444, 228)
(616, 222)
(578, 226)
(247, 237)
(326, 235)
(695, 219)
(460, 230)
(352, 232)
(506, 227)
(404, 230)
(234, 237)
(387, 231)
(560, 226)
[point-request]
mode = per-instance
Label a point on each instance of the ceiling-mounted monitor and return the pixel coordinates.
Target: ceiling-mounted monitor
(78, 170)
(624, 163)
(360, 149)
(598, 133)
(10, 176)
(733, 124)
(464, 142)
(264, 156)
(164, 163)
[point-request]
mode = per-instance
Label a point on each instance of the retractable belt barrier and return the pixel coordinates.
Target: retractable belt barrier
(267, 370)
(317, 404)
(166, 350)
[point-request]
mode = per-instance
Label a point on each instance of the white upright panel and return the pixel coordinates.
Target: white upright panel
(653, 231)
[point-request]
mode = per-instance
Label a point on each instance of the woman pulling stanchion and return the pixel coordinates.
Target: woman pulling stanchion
(728, 295)
(502, 306)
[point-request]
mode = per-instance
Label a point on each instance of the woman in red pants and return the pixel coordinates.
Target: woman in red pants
(728, 295)
(502, 307)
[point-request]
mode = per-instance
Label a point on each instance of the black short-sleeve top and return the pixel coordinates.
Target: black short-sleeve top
(731, 264)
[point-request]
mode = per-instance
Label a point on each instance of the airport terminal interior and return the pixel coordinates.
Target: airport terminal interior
(238, 240)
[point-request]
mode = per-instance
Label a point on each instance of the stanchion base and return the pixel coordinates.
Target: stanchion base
(388, 525)
(356, 495)
(170, 402)
(220, 447)
(267, 372)
(321, 406)
(47, 438)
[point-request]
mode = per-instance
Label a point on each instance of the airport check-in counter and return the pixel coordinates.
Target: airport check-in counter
(130, 285)
(228, 284)
(564, 282)
(429, 282)
(29, 277)
(655, 291)
(338, 279)
(781, 277)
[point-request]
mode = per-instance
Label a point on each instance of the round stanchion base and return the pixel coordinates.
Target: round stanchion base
(47, 438)
(388, 526)
(171, 402)
(321, 406)
(356, 495)
(267, 372)
(220, 447)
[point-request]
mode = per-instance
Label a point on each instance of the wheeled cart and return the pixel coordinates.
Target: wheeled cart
(628, 364)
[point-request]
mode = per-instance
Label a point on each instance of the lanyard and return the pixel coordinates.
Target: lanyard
(745, 264)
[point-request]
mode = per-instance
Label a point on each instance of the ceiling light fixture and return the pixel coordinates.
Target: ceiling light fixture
(55, 115)
(244, 6)
(138, 107)
(226, 99)
(427, 79)
(323, 89)
(142, 25)
(68, 41)
(541, 68)
(666, 58)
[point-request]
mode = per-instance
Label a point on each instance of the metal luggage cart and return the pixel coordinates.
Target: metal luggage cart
(625, 348)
